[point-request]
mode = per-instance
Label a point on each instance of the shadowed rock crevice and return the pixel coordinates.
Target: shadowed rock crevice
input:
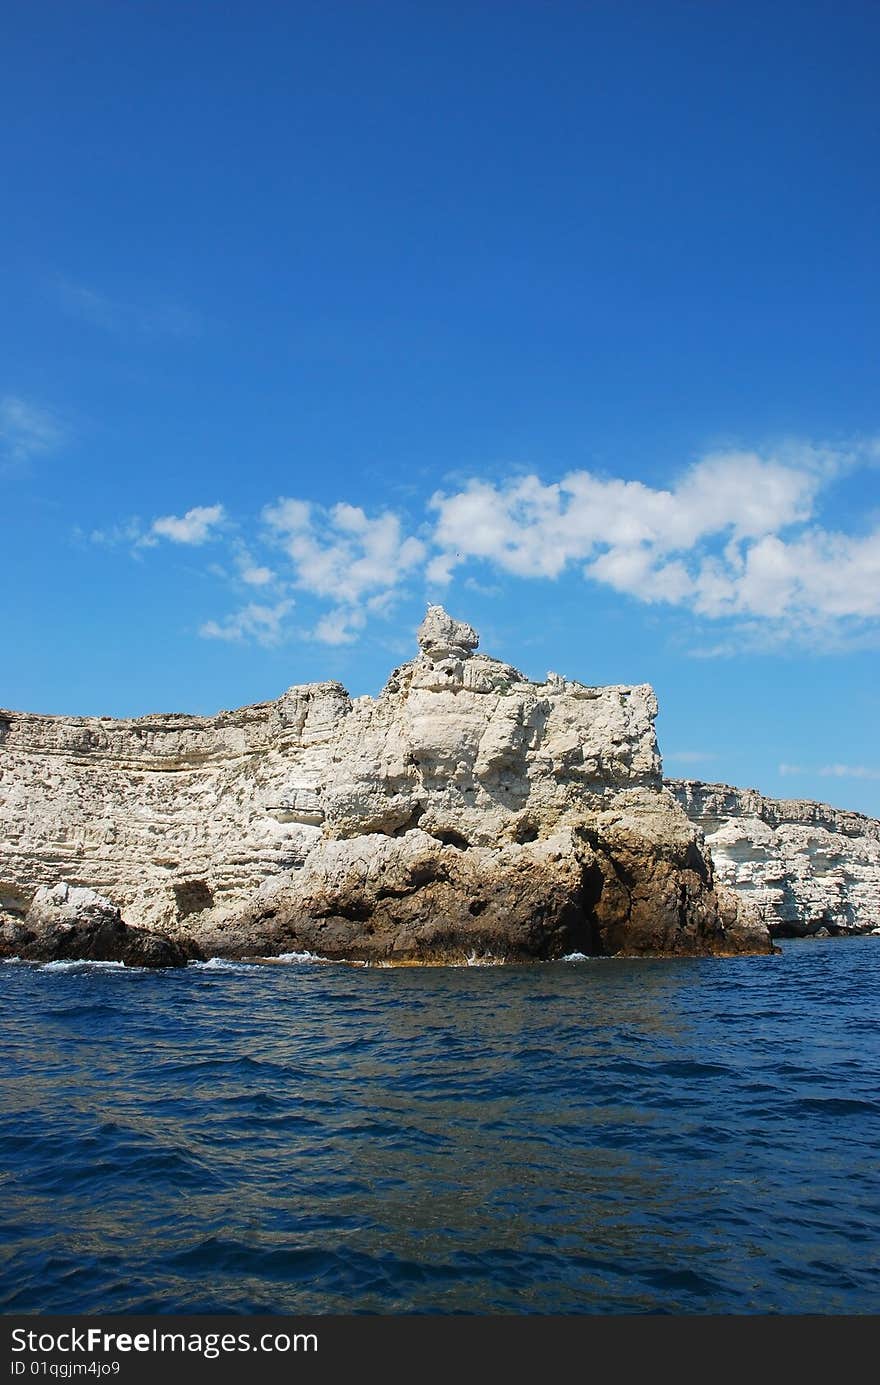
(192, 897)
(449, 837)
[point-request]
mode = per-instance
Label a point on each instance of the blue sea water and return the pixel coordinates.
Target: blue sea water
(696, 1136)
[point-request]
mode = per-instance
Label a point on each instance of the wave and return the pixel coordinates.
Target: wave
(81, 962)
(73, 964)
(257, 1143)
(221, 964)
(256, 963)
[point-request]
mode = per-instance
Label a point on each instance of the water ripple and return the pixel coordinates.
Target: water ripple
(679, 1136)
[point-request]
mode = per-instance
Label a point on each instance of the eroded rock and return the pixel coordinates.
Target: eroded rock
(68, 923)
(804, 867)
(465, 810)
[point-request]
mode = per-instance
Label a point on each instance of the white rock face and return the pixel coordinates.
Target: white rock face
(65, 903)
(189, 824)
(803, 865)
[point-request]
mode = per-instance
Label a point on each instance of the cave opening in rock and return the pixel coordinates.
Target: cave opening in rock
(449, 837)
(585, 935)
(192, 896)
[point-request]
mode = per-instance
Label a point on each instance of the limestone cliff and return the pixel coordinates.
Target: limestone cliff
(465, 812)
(805, 866)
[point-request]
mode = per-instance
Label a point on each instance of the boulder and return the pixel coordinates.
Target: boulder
(73, 923)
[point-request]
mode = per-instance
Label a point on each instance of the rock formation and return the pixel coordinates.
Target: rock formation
(463, 813)
(67, 923)
(806, 867)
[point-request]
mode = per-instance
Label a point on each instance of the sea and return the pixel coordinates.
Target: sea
(588, 1136)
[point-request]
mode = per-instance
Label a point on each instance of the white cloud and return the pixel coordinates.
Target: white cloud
(250, 571)
(344, 556)
(195, 527)
(737, 541)
(834, 771)
(814, 576)
(288, 516)
(131, 533)
(341, 553)
(264, 624)
(340, 626)
(849, 772)
(537, 530)
(729, 540)
(257, 576)
(26, 430)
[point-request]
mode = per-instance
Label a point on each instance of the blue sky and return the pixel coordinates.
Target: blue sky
(562, 314)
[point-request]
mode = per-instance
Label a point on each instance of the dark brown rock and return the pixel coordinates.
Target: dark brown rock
(67, 923)
(414, 900)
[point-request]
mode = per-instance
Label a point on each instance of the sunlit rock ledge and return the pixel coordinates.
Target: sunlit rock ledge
(463, 813)
(807, 868)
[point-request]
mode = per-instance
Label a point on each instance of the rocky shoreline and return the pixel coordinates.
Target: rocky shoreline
(808, 869)
(464, 813)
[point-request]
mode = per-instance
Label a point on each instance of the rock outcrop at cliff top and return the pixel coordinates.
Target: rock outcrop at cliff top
(805, 866)
(463, 813)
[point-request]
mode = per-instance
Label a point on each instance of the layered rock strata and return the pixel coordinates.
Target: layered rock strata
(464, 813)
(806, 867)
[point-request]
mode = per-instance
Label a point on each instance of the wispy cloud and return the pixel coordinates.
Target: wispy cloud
(344, 556)
(26, 431)
(849, 772)
(129, 533)
(122, 317)
(249, 569)
(196, 527)
(837, 771)
(262, 624)
(257, 576)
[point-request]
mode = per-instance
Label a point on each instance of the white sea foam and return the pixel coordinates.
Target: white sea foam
(253, 963)
(84, 964)
(221, 964)
(575, 957)
(486, 960)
